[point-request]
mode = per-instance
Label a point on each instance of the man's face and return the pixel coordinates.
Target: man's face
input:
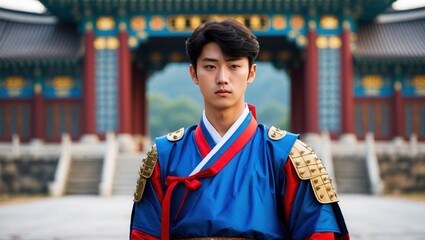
(222, 80)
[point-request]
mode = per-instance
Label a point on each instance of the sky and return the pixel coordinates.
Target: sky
(36, 6)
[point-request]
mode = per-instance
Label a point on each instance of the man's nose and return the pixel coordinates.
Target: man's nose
(222, 77)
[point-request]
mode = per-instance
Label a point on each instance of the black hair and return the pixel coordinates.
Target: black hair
(233, 38)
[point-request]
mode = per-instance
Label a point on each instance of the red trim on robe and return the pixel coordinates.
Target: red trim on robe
(292, 183)
(321, 236)
(156, 182)
(138, 235)
(201, 142)
(252, 110)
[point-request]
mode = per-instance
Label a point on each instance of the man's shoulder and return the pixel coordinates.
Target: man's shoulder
(278, 136)
(279, 141)
(176, 136)
(309, 166)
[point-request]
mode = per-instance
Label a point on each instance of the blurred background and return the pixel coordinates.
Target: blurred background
(86, 86)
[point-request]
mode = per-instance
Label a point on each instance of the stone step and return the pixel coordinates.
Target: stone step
(91, 179)
(79, 191)
(351, 175)
(84, 176)
(126, 173)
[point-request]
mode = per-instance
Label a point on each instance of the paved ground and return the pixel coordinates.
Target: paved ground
(95, 218)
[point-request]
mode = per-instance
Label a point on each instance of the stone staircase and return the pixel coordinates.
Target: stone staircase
(84, 176)
(126, 173)
(351, 174)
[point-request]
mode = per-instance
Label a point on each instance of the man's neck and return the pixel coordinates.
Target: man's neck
(222, 120)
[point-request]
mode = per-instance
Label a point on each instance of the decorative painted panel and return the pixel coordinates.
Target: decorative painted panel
(373, 85)
(414, 86)
(106, 44)
(329, 90)
(62, 86)
(106, 90)
(16, 86)
(141, 27)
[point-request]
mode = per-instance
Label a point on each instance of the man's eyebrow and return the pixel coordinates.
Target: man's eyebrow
(207, 59)
(230, 59)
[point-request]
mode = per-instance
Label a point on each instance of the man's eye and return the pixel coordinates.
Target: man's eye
(234, 66)
(209, 67)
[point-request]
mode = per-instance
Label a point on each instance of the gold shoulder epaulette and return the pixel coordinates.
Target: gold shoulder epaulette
(145, 172)
(309, 167)
(176, 135)
(276, 133)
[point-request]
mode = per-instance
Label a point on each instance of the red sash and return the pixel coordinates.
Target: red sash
(192, 183)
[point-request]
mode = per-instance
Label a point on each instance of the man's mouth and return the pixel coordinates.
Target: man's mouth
(222, 92)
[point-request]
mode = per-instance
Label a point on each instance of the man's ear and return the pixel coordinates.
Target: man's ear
(251, 74)
(192, 72)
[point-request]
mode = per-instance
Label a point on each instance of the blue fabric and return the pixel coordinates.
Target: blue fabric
(207, 135)
(243, 200)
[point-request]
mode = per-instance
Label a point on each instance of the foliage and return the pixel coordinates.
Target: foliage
(274, 114)
(167, 115)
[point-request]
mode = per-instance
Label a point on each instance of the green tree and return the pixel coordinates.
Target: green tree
(274, 114)
(167, 115)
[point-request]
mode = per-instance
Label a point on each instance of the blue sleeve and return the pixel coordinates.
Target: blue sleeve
(146, 216)
(309, 216)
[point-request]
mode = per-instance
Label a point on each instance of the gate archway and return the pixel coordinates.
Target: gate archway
(311, 40)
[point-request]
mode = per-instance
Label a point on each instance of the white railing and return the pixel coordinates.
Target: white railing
(35, 148)
(16, 146)
(109, 166)
(326, 155)
(322, 145)
(69, 151)
(57, 188)
(376, 183)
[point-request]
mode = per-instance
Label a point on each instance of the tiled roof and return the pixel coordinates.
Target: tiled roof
(72, 10)
(31, 40)
(394, 40)
(20, 40)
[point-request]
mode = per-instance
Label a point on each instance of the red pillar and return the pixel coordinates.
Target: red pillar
(124, 83)
(145, 112)
(311, 82)
(89, 84)
(38, 123)
(398, 114)
(297, 99)
(347, 98)
(138, 101)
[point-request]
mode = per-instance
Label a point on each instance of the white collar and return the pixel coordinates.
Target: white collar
(222, 140)
(213, 132)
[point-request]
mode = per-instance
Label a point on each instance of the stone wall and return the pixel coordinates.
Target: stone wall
(26, 175)
(402, 173)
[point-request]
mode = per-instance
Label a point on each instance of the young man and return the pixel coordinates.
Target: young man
(229, 177)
